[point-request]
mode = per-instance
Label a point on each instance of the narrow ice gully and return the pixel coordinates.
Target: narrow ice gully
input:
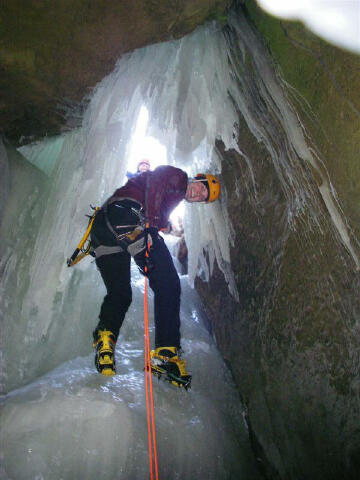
(68, 422)
(74, 423)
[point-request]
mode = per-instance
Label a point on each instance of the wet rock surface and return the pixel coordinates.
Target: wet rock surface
(292, 340)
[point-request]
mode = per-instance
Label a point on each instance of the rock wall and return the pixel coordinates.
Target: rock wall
(327, 77)
(292, 340)
(52, 52)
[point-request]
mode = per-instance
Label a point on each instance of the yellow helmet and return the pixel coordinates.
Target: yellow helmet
(212, 183)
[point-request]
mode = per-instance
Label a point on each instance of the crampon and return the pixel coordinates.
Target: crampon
(166, 364)
(104, 344)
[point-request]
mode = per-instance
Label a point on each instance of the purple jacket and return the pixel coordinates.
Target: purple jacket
(158, 192)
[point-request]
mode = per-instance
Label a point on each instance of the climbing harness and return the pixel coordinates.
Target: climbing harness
(131, 238)
(84, 249)
(135, 209)
(153, 462)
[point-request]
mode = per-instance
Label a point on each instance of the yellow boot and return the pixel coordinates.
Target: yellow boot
(165, 361)
(104, 345)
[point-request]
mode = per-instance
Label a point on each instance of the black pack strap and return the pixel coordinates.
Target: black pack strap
(107, 221)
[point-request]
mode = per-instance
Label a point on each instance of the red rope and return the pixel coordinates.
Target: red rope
(153, 462)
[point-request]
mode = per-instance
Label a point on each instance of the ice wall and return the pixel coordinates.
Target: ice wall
(75, 423)
(194, 90)
(26, 189)
(179, 83)
(43, 154)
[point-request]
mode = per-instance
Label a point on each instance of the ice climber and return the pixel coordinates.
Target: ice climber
(143, 166)
(126, 226)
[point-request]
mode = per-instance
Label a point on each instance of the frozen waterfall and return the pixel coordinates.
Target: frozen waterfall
(60, 419)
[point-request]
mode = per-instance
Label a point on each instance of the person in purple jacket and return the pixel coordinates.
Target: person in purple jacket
(126, 226)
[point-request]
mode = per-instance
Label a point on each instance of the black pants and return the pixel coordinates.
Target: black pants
(163, 280)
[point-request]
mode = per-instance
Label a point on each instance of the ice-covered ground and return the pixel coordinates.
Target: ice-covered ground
(74, 423)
